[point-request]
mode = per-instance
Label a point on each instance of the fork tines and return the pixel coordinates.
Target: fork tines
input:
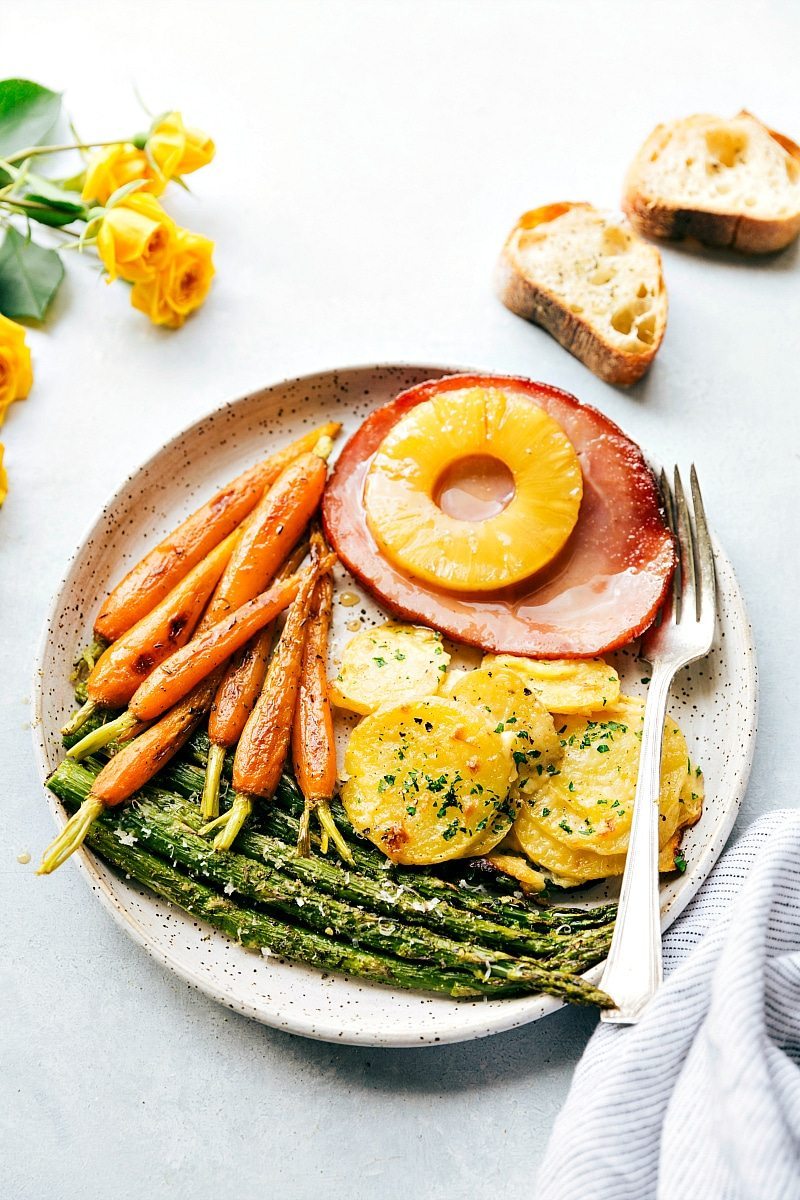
(694, 582)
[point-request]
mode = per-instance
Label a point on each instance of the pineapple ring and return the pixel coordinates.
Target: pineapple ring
(587, 804)
(564, 685)
(428, 780)
(390, 664)
(503, 695)
(402, 485)
(570, 868)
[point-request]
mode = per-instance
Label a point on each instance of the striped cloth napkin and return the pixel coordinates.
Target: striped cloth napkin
(702, 1098)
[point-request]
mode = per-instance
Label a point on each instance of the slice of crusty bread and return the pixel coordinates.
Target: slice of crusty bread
(727, 183)
(586, 278)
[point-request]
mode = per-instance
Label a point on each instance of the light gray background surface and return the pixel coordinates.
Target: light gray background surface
(372, 157)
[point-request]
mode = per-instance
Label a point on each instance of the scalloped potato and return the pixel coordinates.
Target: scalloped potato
(390, 664)
(503, 695)
(429, 781)
(581, 834)
(564, 685)
(587, 802)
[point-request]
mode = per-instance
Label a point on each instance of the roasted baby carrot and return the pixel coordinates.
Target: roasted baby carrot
(236, 697)
(177, 675)
(313, 740)
(272, 529)
(129, 770)
(158, 572)
(122, 667)
(263, 746)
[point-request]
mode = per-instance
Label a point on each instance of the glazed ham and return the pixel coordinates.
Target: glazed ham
(602, 590)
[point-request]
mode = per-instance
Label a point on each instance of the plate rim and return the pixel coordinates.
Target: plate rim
(506, 1016)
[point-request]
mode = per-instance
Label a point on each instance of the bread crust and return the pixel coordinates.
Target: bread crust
(654, 218)
(535, 303)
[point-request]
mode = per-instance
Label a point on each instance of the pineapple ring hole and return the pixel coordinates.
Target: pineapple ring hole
(475, 488)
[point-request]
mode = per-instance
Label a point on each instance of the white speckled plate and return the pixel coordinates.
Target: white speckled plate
(715, 702)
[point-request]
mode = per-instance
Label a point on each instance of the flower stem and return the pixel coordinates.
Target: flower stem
(35, 151)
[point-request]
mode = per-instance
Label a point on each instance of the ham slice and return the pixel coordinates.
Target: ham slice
(602, 590)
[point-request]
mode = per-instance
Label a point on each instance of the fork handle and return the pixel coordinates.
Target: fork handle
(633, 971)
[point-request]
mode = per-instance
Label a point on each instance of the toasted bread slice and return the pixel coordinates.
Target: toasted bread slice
(727, 183)
(586, 278)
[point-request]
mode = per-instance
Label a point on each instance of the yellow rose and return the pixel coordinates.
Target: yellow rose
(177, 150)
(135, 238)
(181, 285)
(114, 166)
(3, 477)
(16, 375)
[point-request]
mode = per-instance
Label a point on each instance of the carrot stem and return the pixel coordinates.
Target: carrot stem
(113, 731)
(72, 836)
(331, 830)
(304, 832)
(209, 805)
(79, 718)
(231, 822)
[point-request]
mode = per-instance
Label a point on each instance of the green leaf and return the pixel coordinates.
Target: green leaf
(62, 206)
(28, 113)
(30, 276)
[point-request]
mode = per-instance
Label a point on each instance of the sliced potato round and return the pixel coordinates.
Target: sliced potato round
(564, 685)
(428, 780)
(503, 694)
(500, 824)
(572, 868)
(587, 802)
(390, 664)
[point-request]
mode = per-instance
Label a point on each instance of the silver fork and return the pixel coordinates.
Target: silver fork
(685, 632)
